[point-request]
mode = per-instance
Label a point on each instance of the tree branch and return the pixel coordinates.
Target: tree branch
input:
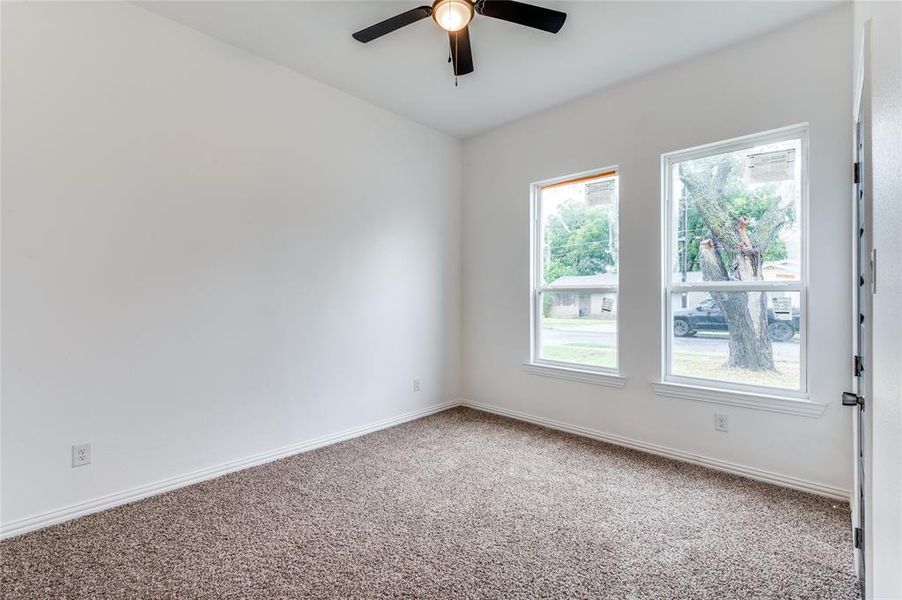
(769, 226)
(705, 192)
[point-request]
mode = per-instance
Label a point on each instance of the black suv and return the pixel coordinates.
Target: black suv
(706, 316)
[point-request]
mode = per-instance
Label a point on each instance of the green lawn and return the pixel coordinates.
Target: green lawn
(598, 355)
(710, 366)
(701, 365)
(686, 363)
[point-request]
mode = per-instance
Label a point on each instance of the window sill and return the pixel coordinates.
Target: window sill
(779, 404)
(611, 380)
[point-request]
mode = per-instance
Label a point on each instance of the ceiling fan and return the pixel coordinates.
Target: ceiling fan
(454, 16)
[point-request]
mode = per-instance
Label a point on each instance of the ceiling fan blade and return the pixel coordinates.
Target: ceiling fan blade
(461, 53)
(523, 14)
(388, 25)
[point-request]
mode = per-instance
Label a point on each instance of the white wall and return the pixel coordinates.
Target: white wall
(882, 109)
(204, 255)
(798, 74)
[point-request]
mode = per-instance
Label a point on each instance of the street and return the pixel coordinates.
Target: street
(701, 343)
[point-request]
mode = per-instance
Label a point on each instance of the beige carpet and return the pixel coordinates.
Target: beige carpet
(458, 505)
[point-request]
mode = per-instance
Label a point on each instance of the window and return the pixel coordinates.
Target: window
(735, 272)
(575, 257)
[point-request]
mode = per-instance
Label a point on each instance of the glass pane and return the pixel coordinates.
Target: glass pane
(579, 328)
(579, 232)
(740, 337)
(736, 215)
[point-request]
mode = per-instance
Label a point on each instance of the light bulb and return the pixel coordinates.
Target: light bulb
(452, 15)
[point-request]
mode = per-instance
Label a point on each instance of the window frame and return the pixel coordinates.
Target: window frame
(536, 240)
(800, 286)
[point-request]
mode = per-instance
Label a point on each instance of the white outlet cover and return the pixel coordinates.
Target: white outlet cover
(81, 455)
(721, 422)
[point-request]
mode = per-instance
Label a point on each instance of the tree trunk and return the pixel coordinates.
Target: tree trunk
(745, 313)
(750, 346)
(747, 263)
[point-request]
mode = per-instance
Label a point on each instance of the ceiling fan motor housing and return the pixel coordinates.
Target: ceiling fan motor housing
(452, 15)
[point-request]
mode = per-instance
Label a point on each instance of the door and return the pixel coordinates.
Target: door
(708, 316)
(857, 399)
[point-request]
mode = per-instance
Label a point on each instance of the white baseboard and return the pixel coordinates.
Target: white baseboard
(53, 517)
(46, 519)
(713, 463)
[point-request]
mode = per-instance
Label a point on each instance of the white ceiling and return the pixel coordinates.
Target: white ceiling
(518, 70)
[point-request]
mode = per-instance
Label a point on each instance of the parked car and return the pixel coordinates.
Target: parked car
(707, 316)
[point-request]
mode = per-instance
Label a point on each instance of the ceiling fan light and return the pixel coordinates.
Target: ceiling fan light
(452, 15)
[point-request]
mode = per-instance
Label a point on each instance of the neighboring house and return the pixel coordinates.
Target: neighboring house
(583, 304)
(781, 269)
(593, 304)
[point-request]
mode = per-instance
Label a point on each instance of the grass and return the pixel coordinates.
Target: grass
(701, 366)
(596, 355)
(710, 366)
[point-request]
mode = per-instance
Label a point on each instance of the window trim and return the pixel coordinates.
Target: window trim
(567, 371)
(668, 287)
(767, 402)
(560, 369)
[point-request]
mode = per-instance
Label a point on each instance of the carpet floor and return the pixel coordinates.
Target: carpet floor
(461, 504)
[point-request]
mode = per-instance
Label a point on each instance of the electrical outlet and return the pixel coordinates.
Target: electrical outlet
(720, 422)
(81, 455)
(416, 384)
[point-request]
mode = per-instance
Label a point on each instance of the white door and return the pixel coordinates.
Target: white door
(861, 358)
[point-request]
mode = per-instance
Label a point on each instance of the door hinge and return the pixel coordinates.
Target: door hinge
(852, 399)
(856, 172)
(857, 365)
(859, 538)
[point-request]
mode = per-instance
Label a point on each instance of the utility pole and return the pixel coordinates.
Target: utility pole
(684, 251)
